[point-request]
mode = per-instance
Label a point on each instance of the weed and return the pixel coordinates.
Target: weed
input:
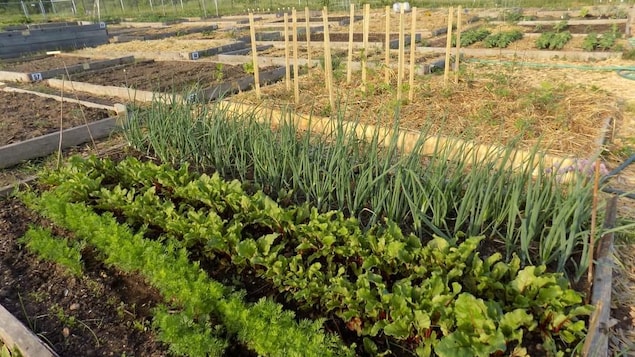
(218, 74)
(248, 67)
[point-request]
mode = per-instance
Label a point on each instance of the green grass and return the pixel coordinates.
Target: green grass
(171, 9)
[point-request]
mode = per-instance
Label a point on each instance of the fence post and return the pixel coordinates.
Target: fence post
(26, 12)
(42, 9)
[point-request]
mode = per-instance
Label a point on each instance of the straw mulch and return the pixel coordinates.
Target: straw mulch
(496, 107)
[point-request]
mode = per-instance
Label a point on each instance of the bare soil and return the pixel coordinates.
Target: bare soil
(26, 116)
(163, 76)
(43, 64)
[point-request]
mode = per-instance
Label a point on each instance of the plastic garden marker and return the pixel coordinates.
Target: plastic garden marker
(349, 69)
(458, 44)
(448, 45)
(296, 72)
(287, 67)
(254, 54)
(413, 49)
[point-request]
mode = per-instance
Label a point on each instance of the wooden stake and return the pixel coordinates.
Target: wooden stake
(365, 41)
(254, 54)
(448, 45)
(296, 70)
(287, 66)
(413, 50)
(328, 65)
(349, 65)
(308, 37)
(458, 44)
(387, 47)
(594, 213)
(400, 69)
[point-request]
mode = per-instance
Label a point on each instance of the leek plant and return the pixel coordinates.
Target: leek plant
(541, 219)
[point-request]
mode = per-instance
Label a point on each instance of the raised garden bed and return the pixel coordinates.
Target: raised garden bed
(52, 66)
(26, 116)
(153, 33)
(31, 125)
(174, 77)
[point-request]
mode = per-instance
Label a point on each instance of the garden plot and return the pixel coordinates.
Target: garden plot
(486, 106)
(25, 116)
(126, 34)
(176, 48)
(565, 37)
(167, 77)
(36, 124)
(97, 314)
(51, 66)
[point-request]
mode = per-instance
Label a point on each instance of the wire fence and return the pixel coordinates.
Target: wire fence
(25, 11)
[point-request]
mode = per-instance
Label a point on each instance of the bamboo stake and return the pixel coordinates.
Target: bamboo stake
(413, 49)
(400, 69)
(349, 65)
(387, 47)
(458, 44)
(254, 54)
(287, 66)
(328, 65)
(365, 42)
(448, 44)
(594, 213)
(296, 71)
(308, 37)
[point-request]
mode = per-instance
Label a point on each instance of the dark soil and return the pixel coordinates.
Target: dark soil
(25, 116)
(43, 64)
(163, 76)
(88, 97)
(103, 313)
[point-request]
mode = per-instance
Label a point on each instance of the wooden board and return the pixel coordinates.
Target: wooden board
(15, 335)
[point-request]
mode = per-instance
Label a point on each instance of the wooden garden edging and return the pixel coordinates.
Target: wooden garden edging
(15, 335)
(87, 66)
(597, 341)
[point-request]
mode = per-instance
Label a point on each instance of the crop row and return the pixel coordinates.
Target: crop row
(538, 218)
(432, 296)
(552, 40)
(208, 310)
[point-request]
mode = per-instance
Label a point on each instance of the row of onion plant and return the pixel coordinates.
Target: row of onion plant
(535, 216)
